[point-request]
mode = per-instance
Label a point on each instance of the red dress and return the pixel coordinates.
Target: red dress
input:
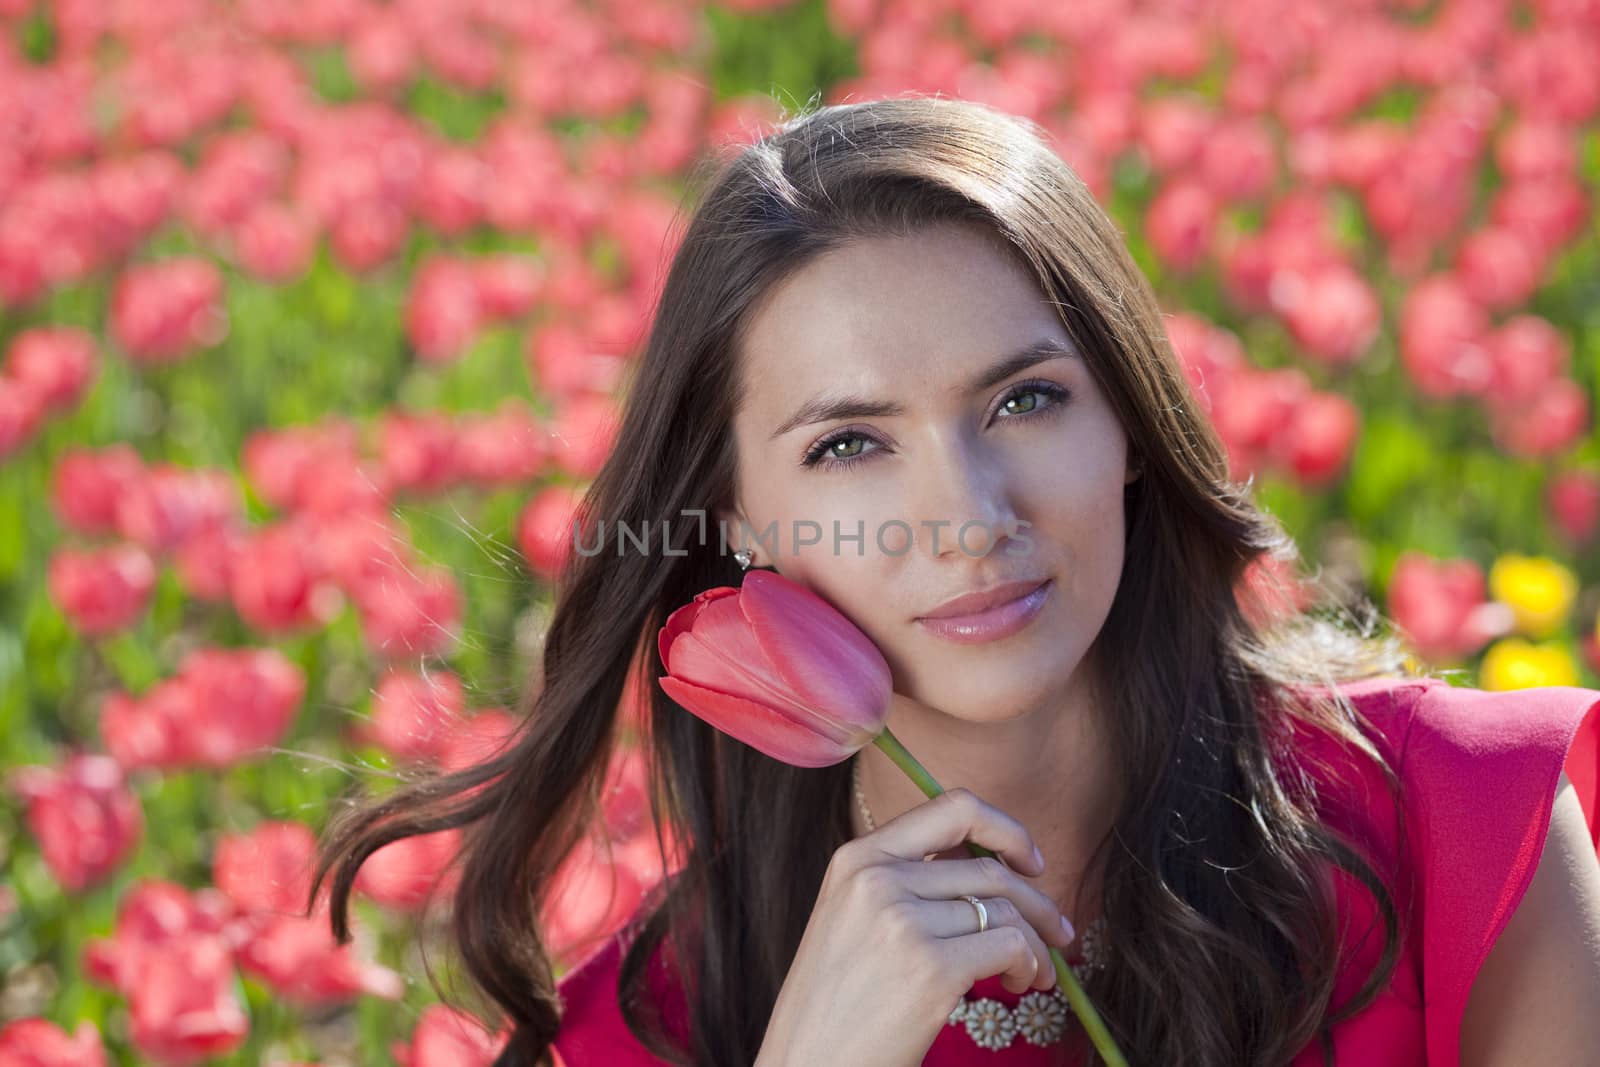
(1479, 771)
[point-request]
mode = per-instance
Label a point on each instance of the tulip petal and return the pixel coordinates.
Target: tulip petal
(760, 727)
(682, 620)
(819, 654)
(709, 662)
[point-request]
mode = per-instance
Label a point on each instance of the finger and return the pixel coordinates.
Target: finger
(984, 877)
(999, 950)
(951, 819)
(958, 918)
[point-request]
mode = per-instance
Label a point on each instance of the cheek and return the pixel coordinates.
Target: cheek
(1077, 518)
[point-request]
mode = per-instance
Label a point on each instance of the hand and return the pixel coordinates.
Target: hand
(891, 947)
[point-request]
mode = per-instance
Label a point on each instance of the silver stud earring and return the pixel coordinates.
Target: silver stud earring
(744, 557)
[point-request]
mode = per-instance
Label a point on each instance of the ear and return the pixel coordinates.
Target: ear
(1135, 469)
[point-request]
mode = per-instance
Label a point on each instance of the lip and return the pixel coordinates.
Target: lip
(990, 615)
(977, 603)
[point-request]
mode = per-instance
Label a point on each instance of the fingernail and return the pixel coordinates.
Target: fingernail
(1038, 857)
(1066, 925)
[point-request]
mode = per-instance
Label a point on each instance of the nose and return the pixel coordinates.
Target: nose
(963, 503)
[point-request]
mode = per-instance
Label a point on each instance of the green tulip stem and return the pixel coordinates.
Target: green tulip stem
(1081, 1005)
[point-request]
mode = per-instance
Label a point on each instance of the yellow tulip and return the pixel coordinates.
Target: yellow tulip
(1538, 590)
(1517, 664)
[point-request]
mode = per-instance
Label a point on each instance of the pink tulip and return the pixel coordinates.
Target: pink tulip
(508, 285)
(1550, 422)
(150, 915)
(101, 590)
(591, 895)
(1270, 590)
(184, 1006)
(1498, 267)
(275, 243)
(1210, 356)
(171, 955)
(368, 235)
(566, 359)
(22, 411)
(279, 582)
(1528, 353)
(1334, 314)
(278, 461)
(361, 547)
(35, 1042)
(625, 796)
(448, 1037)
(1238, 159)
(777, 667)
(57, 363)
(583, 433)
(298, 958)
(1590, 646)
(404, 874)
(1319, 437)
(267, 869)
(418, 451)
(168, 504)
(413, 714)
(451, 191)
(476, 740)
(382, 54)
(544, 529)
(1574, 502)
(1180, 222)
(1534, 149)
(86, 483)
(1442, 606)
(1173, 129)
(1548, 212)
(266, 874)
(205, 561)
(642, 226)
(148, 730)
(413, 611)
(506, 447)
(164, 311)
(222, 707)
(1442, 335)
(1549, 73)
(444, 311)
(237, 171)
(1256, 407)
(83, 815)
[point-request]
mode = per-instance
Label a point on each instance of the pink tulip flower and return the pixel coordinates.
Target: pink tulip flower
(779, 668)
(36, 1042)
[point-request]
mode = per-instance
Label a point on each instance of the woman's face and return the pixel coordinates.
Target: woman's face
(879, 400)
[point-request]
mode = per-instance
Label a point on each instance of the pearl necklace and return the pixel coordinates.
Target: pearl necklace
(1040, 1018)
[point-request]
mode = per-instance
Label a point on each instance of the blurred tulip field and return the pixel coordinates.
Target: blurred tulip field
(315, 316)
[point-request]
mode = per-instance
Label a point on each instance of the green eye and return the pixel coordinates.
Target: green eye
(1027, 399)
(834, 448)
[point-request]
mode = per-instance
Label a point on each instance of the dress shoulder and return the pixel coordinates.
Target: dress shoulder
(593, 1032)
(1479, 771)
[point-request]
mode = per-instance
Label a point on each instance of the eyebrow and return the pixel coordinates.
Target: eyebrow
(827, 407)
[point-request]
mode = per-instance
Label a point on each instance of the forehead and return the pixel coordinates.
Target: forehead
(922, 310)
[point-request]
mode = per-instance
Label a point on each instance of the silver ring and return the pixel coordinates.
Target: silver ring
(983, 912)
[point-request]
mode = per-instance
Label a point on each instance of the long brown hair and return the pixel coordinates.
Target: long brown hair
(1221, 868)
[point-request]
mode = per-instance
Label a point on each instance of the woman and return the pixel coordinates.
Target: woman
(903, 345)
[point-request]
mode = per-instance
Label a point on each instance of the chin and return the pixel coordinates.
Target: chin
(984, 696)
